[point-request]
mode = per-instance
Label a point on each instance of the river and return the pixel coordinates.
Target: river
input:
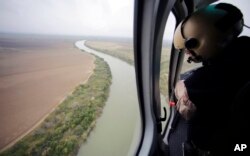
(117, 130)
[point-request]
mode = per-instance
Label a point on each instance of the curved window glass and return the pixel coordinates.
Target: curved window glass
(164, 66)
(67, 78)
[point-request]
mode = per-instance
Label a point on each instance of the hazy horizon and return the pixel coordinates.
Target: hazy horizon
(88, 18)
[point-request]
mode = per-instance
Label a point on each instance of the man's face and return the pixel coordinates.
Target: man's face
(192, 56)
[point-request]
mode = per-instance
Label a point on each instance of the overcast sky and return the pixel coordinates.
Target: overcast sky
(73, 17)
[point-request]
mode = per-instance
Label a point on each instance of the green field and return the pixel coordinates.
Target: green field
(66, 128)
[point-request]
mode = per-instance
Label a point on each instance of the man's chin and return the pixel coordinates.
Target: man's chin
(193, 59)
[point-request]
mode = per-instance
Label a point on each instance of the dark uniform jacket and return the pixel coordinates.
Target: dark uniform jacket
(213, 89)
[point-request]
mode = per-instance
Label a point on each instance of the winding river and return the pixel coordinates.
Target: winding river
(118, 129)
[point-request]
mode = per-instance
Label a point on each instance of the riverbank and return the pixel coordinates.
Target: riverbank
(70, 123)
(36, 74)
(118, 130)
(124, 51)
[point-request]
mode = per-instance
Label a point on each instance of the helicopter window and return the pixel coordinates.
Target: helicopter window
(164, 66)
(80, 102)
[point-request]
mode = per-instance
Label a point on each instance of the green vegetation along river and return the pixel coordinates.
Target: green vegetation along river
(118, 129)
(69, 125)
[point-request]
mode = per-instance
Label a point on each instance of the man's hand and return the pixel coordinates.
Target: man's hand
(184, 106)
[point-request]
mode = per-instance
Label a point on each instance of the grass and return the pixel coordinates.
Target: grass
(65, 129)
(124, 51)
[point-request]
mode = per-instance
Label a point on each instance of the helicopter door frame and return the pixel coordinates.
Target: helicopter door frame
(180, 11)
(149, 23)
